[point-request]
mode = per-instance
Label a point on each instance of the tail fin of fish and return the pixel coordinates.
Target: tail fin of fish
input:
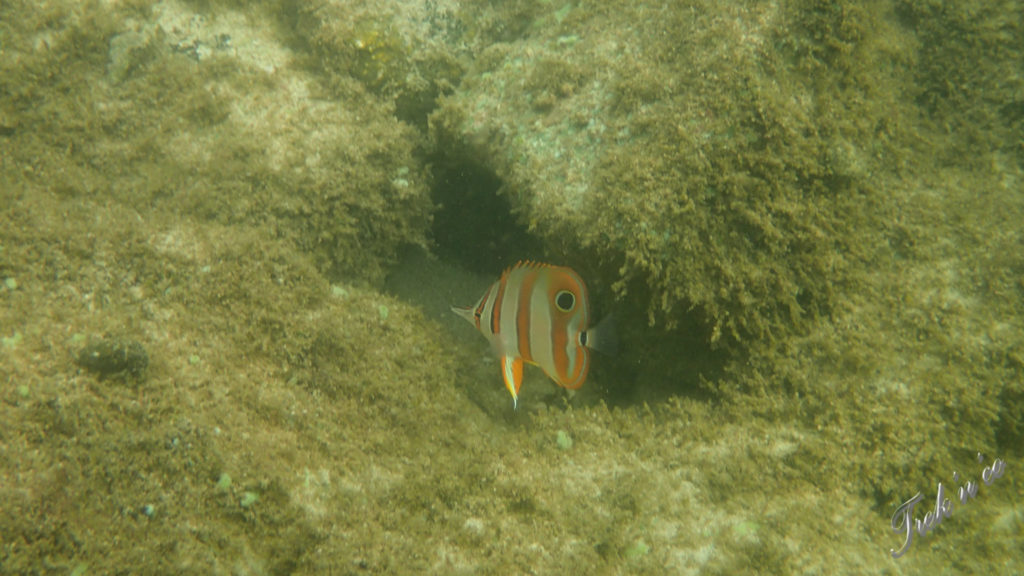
(466, 313)
(602, 337)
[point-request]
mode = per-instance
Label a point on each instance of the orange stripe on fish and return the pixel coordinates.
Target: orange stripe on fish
(479, 310)
(539, 314)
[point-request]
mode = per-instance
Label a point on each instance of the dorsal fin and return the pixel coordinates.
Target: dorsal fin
(529, 264)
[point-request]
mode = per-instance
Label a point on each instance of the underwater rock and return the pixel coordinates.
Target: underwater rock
(321, 160)
(114, 357)
(405, 53)
(672, 145)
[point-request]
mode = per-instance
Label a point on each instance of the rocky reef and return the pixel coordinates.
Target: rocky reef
(231, 232)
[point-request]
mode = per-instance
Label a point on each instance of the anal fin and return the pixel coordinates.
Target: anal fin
(512, 373)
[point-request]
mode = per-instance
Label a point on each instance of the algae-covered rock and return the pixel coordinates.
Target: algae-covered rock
(726, 161)
(408, 53)
(207, 112)
(113, 357)
(792, 184)
(710, 153)
(227, 182)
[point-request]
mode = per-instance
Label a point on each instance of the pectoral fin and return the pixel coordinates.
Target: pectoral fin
(512, 372)
(602, 337)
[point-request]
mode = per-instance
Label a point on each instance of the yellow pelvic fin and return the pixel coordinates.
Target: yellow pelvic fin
(512, 373)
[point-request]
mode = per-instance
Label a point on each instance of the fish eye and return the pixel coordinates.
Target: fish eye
(565, 300)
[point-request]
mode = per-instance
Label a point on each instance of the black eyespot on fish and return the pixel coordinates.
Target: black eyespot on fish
(565, 300)
(583, 338)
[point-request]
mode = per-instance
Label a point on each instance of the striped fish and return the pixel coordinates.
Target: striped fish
(539, 314)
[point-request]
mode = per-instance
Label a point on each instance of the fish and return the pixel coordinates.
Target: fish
(539, 314)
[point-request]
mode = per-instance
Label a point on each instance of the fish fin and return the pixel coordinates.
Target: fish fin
(603, 337)
(467, 313)
(512, 373)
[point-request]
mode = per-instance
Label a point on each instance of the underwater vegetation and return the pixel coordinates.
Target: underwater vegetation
(232, 231)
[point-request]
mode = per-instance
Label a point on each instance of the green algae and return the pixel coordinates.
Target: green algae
(11, 341)
(248, 499)
(223, 482)
(563, 440)
(636, 550)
